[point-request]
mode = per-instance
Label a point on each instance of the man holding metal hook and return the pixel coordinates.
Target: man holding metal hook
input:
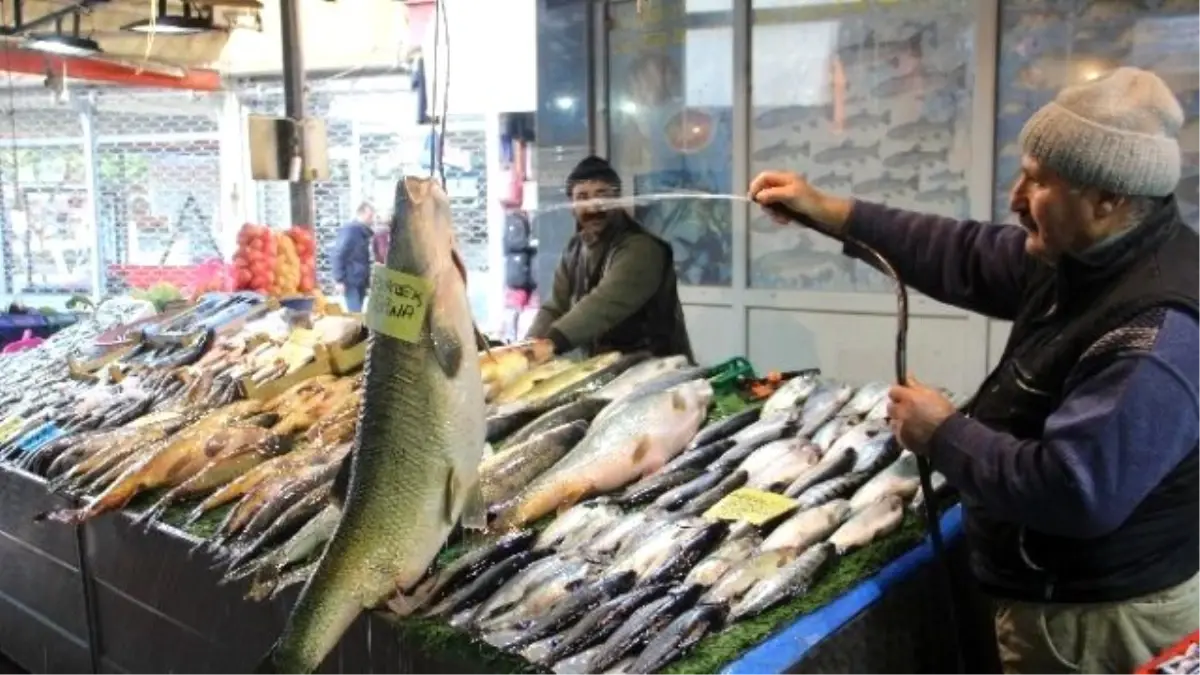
(1077, 459)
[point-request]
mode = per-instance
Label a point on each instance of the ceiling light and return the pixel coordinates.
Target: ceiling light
(173, 24)
(63, 45)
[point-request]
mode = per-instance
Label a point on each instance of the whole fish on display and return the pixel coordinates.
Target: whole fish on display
(808, 527)
(584, 409)
(900, 478)
(670, 552)
(821, 406)
(627, 382)
(643, 625)
(723, 428)
(828, 433)
(530, 379)
(483, 586)
(881, 453)
(299, 547)
(598, 624)
(675, 498)
(413, 472)
(678, 637)
(616, 452)
(578, 524)
(626, 533)
(792, 580)
(833, 464)
(566, 613)
(699, 457)
(731, 552)
(501, 366)
(651, 487)
(473, 564)
(661, 383)
(306, 508)
(772, 471)
(879, 518)
(791, 395)
(705, 500)
(506, 473)
(735, 583)
(531, 594)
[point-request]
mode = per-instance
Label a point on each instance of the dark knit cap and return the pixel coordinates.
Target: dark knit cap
(593, 168)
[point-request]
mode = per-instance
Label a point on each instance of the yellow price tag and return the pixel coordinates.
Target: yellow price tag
(306, 337)
(10, 426)
(398, 303)
(749, 505)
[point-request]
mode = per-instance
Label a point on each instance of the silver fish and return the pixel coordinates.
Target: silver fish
(670, 552)
(723, 428)
(790, 396)
(708, 498)
(832, 430)
(900, 478)
(795, 579)
(731, 552)
(628, 381)
(660, 383)
(526, 582)
(678, 637)
(765, 430)
(833, 464)
(742, 577)
(865, 399)
(860, 434)
(505, 474)
(809, 526)
(821, 406)
(875, 454)
(578, 524)
(881, 518)
(778, 463)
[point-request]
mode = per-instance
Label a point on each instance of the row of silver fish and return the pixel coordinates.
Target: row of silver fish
(631, 575)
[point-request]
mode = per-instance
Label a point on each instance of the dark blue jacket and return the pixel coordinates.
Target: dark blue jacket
(352, 255)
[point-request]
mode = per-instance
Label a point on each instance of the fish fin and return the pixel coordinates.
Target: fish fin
(341, 482)
(447, 349)
(678, 402)
(474, 514)
(642, 449)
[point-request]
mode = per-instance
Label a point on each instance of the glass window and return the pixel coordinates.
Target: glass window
(670, 95)
(1046, 46)
(864, 100)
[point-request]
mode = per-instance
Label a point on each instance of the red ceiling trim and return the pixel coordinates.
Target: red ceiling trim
(32, 62)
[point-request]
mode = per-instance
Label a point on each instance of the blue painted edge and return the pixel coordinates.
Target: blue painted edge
(782, 651)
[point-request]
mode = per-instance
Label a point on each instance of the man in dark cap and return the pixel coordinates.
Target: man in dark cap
(615, 286)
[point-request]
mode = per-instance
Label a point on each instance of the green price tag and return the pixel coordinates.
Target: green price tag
(397, 304)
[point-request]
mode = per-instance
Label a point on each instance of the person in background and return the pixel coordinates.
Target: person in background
(381, 240)
(615, 286)
(352, 257)
(1077, 459)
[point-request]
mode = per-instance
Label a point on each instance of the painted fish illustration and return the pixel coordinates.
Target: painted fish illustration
(920, 80)
(780, 150)
(865, 118)
(919, 128)
(872, 50)
(887, 184)
(914, 157)
(946, 176)
(792, 115)
(833, 180)
(941, 194)
(847, 151)
(413, 474)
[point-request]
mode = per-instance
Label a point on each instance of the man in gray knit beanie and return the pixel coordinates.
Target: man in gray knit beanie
(1077, 460)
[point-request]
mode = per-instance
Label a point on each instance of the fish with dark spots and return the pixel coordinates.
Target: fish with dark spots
(887, 184)
(643, 626)
(915, 157)
(598, 624)
(572, 608)
(485, 584)
(678, 637)
(847, 151)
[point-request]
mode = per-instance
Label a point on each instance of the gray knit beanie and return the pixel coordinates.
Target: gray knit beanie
(1116, 133)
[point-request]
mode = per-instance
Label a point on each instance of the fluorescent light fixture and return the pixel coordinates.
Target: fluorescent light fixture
(63, 45)
(173, 24)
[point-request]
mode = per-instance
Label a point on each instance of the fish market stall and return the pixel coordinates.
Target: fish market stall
(237, 484)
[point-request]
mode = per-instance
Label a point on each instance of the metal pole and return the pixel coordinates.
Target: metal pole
(293, 100)
(90, 169)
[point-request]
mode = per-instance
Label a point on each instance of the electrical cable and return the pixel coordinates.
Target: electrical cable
(924, 470)
(441, 38)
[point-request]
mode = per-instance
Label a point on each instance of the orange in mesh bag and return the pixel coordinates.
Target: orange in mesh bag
(254, 262)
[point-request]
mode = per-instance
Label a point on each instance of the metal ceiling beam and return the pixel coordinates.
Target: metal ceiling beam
(20, 26)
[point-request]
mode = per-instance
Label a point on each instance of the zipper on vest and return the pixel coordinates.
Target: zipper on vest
(1023, 378)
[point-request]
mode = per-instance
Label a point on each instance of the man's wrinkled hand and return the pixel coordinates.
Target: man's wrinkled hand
(915, 412)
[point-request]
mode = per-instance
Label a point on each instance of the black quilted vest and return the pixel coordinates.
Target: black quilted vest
(1065, 311)
(658, 326)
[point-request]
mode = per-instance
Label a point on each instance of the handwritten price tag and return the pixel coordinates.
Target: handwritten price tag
(749, 505)
(10, 426)
(397, 304)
